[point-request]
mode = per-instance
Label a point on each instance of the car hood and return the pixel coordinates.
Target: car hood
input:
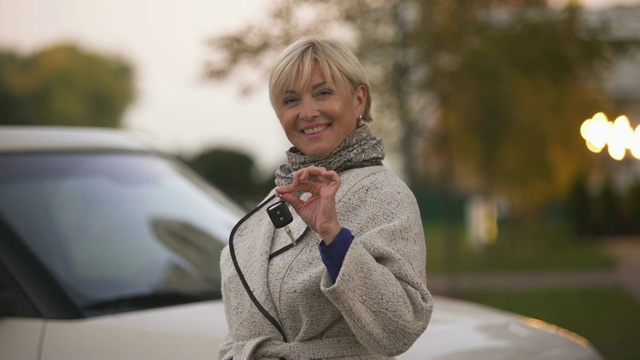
(191, 331)
(458, 330)
(463, 330)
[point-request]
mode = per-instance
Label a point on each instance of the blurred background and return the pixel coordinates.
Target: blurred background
(515, 122)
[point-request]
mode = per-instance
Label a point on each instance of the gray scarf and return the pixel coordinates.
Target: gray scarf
(359, 149)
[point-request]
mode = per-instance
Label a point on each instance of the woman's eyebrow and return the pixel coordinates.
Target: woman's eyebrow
(313, 87)
(319, 84)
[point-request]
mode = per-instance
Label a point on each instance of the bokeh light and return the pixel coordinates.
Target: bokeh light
(617, 136)
(635, 143)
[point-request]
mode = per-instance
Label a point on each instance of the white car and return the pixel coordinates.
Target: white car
(109, 250)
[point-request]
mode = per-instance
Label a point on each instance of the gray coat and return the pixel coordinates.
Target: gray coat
(379, 304)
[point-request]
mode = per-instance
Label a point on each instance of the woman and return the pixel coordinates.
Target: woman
(346, 278)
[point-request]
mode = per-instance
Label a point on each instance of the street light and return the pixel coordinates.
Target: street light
(618, 136)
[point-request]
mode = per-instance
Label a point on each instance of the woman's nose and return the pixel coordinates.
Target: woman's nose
(308, 110)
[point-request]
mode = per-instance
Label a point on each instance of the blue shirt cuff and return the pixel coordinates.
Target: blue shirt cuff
(333, 254)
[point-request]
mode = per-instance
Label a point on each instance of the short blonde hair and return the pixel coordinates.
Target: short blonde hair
(337, 62)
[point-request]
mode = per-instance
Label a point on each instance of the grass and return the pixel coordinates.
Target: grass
(517, 248)
(608, 317)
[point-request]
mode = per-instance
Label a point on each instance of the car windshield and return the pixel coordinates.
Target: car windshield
(118, 230)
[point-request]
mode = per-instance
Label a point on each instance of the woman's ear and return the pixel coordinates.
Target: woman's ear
(361, 98)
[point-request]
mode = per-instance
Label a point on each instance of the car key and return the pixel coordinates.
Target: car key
(281, 218)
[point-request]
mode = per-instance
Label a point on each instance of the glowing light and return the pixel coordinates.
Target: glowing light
(593, 148)
(634, 143)
(584, 128)
(621, 131)
(539, 324)
(618, 136)
(617, 151)
(600, 117)
(598, 131)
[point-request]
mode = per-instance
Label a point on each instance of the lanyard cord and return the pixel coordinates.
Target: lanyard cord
(255, 301)
(289, 246)
(243, 280)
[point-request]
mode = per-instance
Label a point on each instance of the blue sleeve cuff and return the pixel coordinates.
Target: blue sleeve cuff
(333, 254)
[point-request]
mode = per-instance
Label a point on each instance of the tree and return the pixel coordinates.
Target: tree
(513, 103)
(633, 207)
(232, 172)
(486, 96)
(581, 213)
(64, 85)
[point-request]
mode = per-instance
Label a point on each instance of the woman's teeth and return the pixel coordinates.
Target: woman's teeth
(314, 130)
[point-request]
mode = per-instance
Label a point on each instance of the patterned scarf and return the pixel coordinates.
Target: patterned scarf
(359, 149)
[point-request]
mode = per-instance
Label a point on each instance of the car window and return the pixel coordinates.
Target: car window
(112, 226)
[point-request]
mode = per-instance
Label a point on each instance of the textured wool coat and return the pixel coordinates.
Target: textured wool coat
(376, 309)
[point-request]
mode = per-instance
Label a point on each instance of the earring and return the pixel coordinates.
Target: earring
(362, 117)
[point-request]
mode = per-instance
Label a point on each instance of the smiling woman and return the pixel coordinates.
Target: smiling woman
(351, 282)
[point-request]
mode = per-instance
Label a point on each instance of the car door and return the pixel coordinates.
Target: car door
(20, 338)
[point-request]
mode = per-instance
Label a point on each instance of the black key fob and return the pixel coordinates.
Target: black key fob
(280, 214)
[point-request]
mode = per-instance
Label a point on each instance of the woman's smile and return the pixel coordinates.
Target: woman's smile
(315, 130)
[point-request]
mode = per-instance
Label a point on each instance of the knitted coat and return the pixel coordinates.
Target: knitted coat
(376, 309)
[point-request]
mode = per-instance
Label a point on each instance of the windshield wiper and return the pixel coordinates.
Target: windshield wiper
(149, 301)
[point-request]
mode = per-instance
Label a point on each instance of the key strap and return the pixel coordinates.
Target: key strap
(243, 280)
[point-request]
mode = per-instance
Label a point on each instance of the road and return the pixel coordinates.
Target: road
(625, 252)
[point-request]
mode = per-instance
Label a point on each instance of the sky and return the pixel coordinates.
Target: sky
(165, 40)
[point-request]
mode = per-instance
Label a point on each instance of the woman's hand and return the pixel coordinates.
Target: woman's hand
(319, 210)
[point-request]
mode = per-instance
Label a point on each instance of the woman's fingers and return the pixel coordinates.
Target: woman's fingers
(302, 187)
(315, 174)
(291, 199)
(318, 209)
(332, 176)
(308, 179)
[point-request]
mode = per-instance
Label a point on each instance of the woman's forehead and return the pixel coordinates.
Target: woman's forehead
(303, 77)
(316, 76)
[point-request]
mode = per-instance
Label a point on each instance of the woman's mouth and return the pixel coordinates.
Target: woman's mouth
(314, 130)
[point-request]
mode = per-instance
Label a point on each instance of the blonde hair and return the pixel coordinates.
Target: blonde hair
(335, 59)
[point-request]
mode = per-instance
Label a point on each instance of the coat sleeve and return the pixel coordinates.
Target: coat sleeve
(382, 289)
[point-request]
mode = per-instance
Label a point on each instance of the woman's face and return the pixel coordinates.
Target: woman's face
(318, 118)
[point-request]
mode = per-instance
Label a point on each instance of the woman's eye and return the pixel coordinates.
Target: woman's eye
(288, 101)
(324, 92)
